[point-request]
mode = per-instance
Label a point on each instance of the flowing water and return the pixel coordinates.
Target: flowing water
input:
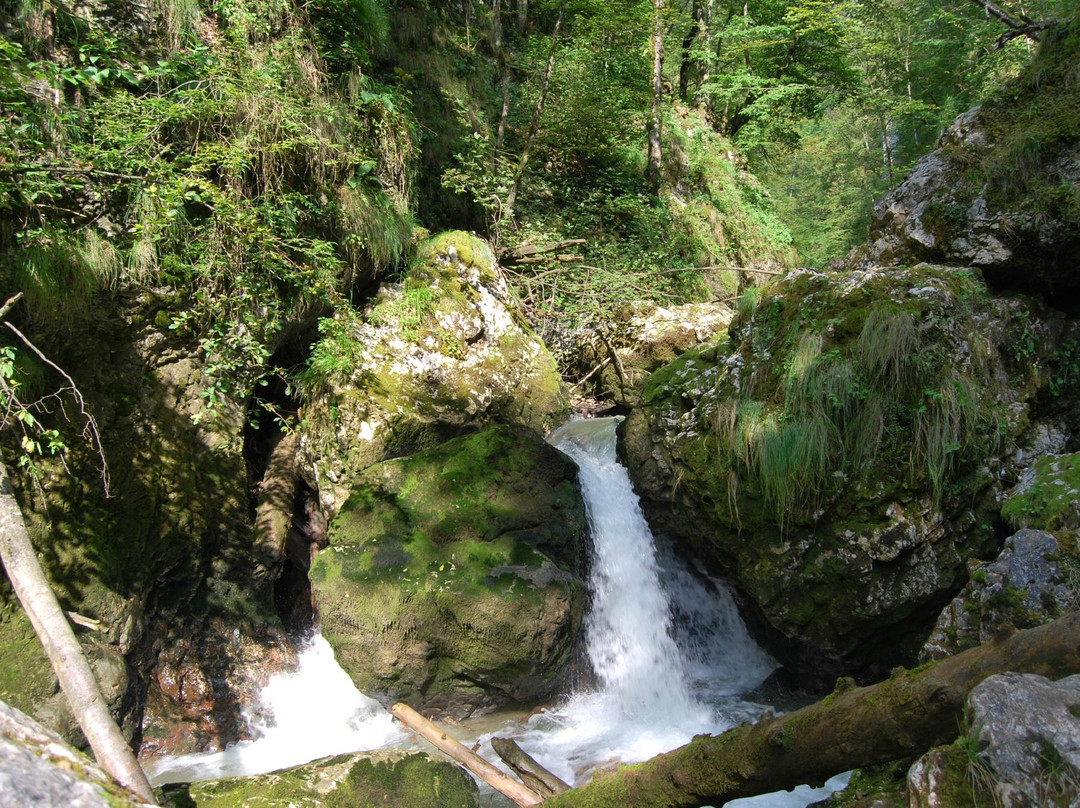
(669, 654)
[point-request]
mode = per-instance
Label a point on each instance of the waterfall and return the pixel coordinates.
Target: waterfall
(314, 712)
(670, 654)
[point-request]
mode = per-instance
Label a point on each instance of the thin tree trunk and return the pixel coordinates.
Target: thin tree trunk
(705, 11)
(522, 16)
(538, 111)
(905, 715)
(499, 49)
(63, 650)
(652, 173)
(689, 65)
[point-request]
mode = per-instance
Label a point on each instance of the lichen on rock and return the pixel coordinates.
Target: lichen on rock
(389, 779)
(452, 575)
(442, 349)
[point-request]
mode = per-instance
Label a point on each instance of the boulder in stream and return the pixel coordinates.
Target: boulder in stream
(452, 576)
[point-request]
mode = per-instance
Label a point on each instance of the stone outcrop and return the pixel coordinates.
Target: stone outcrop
(999, 192)
(841, 450)
(1022, 750)
(39, 770)
(452, 576)
(443, 351)
(1029, 583)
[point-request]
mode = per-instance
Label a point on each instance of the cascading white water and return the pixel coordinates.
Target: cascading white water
(670, 655)
(315, 712)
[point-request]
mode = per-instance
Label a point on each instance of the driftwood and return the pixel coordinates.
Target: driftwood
(520, 794)
(528, 769)
(529, 253)
(907, 714)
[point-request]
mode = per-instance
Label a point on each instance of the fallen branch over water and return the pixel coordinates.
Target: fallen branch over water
(905, 715)
(528, 769)
(503, 783)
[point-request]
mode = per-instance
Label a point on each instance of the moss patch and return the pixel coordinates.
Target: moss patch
(1045, 491)
(451, 574)
(342, 782)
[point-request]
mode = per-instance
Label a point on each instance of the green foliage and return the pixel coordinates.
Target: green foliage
(862, 392)
(232, 169)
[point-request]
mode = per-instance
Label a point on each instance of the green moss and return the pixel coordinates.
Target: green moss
(26, 678)
(1053, 484)
(341, 782)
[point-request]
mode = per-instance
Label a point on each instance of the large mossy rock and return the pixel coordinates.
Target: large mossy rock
(349, 781)
(444, 349)
(1002, 190)
(452, 576)
(841, 450)
(39, 770)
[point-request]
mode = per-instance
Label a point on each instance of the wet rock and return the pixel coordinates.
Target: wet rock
(39, 770)
(441, 352)
(202, 686)
(451, 579)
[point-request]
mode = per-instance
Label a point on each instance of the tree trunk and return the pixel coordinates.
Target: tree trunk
(522, 16)
(652, 173)
(63, 650)
(532, 774)
(538, 110)
(503, 783)
(903, 716)
(501, 63)
(689, 65)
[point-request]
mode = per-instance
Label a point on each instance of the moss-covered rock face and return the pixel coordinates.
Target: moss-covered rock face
(451, 580)
(840, 449)
(1044, 492)
(1002, 190)
(442, 349)
(384, 779)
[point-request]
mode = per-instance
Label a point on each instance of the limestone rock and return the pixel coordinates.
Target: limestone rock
(1026, 586)
(1044, 492)
(39, 770)
(1028, 729)
(389, 779)
(841, 450)
(995, 193)
(643, 337)
(442, 350)
(451, 579)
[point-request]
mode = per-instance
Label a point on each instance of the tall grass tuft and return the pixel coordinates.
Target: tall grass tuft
(888, 347)
(56, 270)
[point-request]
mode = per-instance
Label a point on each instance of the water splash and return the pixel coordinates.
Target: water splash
(315, 712)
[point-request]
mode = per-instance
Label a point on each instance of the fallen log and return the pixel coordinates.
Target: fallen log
(501, 782)
(523, 252)
(528, 769)
(903, 716)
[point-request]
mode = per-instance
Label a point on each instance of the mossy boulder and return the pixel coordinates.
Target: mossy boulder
(37, 768)
(1002, 189)
(388, 779)
(840, 451)
(439, 352)
(452, 576)
(1044, 493)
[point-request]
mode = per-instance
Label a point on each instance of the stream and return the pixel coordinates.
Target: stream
(670, 655)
